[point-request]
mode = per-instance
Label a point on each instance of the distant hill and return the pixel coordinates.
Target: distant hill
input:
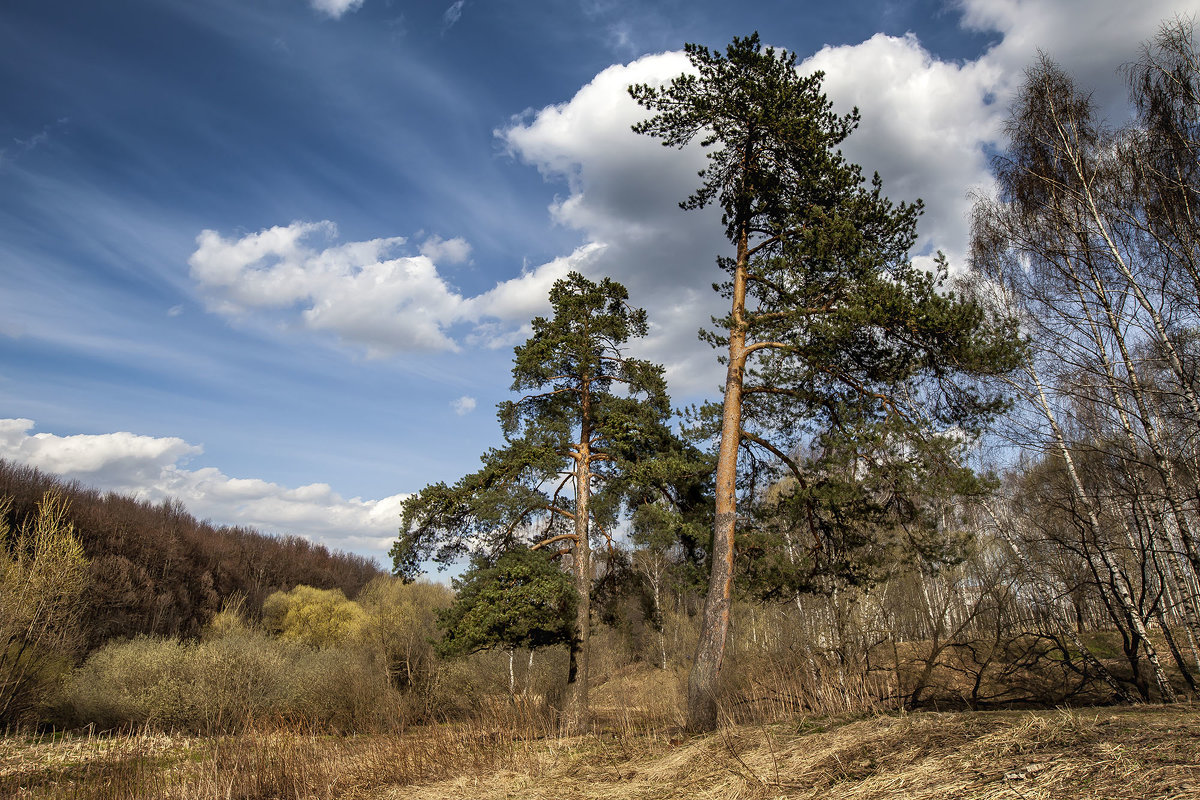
(158, 570)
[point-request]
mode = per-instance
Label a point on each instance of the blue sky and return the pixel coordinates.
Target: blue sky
(271, 256)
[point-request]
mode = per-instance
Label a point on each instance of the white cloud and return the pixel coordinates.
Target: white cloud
(369, 294)
(928, 126)
(623, 195)
(336, 8)
(452, 14)
(125, 458)
(446, 251)
(925, 124)
(1090, 38)
(523, 297)
(463, 405)
(925, 127)
(155, 469)
(621, 184)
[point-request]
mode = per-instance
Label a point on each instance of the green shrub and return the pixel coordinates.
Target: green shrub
(402, 628)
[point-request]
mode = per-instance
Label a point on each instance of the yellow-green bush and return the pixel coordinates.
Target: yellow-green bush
(317, 617)
(225, 683)
(43, 579)
(402, 627)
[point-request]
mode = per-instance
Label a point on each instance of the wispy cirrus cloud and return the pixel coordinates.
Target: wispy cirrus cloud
(21, 146)
(336, 8)
(452, 15)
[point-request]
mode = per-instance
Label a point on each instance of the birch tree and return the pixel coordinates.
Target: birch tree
(1093, 236)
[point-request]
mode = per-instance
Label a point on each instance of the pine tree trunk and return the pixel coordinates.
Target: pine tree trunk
(714, 624)
(576, 720)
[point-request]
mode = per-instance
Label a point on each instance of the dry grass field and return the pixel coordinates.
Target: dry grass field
(1139, 752)
(1092, 753)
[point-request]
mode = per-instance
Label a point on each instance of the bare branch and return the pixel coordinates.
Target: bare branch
(560, 538)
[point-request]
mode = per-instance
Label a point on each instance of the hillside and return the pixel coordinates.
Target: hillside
(157, 570)
(1147, 752)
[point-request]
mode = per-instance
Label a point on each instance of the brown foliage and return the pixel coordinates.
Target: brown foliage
(157, 570)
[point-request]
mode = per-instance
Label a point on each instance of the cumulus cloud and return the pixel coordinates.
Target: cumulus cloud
(372, 294)
(927, 127)
(1091, 38)
(523, 297)
(124, 458)
(156, 468)
(623, 195)
(463, 405)
(446, 251)
(336, 8)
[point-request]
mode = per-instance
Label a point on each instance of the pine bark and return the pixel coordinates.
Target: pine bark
(577, 717)
(714, 624)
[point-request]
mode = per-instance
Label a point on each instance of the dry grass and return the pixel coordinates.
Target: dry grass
(1146, 752)
(1135, 753)
(277, 764)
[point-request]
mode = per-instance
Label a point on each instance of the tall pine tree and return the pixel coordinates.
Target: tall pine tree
(832, 332)
(587, 416)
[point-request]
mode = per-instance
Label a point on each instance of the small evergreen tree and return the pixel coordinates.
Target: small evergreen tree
(521, 601)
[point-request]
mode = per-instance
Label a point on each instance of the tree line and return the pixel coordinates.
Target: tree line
(154, 569)
(1092, 243)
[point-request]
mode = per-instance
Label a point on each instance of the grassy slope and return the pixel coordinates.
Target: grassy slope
(1150, 752)
(1092, 753)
